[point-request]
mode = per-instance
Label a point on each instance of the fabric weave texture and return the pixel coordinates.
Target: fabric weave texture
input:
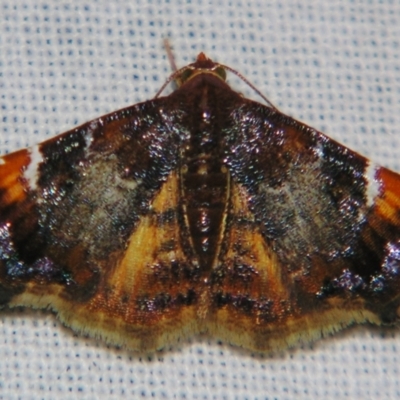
(333, 65)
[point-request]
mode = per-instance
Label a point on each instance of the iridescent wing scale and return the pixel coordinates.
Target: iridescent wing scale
(197, 212)
(89, 228)
(313, 241)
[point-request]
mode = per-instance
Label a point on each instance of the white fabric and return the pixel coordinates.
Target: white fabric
(332, 64)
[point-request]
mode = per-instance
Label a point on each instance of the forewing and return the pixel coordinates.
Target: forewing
(89, 228)
(312, 239)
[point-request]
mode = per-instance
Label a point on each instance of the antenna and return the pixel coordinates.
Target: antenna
(175, 76)
(245, 80)
(170, 55)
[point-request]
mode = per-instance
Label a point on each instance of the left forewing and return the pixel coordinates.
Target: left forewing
(78, 217)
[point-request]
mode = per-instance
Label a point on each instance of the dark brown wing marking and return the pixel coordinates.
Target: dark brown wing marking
(311, 248)
(89, 228)
(149, 298)
(200, 211)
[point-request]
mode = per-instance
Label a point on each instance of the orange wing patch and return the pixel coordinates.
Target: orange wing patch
(258, 303)
(12, 185)
(149, 297)
(201, 211)
(388, 203)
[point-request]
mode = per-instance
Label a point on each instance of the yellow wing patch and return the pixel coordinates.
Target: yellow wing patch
(148, 298)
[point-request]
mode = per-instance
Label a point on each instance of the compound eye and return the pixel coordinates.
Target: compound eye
(186, 74)
(220, 71)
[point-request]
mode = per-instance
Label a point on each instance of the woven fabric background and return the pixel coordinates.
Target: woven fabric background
(332, 64)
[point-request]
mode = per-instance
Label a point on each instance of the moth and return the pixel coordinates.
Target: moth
(200, 212)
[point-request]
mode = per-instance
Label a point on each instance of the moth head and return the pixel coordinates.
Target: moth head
(202, 65)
